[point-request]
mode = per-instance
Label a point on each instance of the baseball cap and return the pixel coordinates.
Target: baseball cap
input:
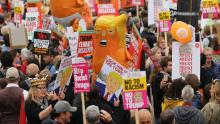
(92, 114)
(12, 73)
(64, 106)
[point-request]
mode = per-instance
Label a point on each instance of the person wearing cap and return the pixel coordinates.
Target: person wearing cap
(39, 105)
(11, 98)
(62, 114)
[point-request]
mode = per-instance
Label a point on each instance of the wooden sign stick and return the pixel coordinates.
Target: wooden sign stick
(136, 116)
(137, 9)
(211, 32)
(83, 108)
(166, 44)
(39, 59)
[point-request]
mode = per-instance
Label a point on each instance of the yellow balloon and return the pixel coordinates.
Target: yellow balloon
(181, 32)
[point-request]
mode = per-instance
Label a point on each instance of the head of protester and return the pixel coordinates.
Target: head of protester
(173, 95)
(63, 112)
(145, 117)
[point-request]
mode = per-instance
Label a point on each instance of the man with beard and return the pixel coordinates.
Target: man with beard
(160, 84)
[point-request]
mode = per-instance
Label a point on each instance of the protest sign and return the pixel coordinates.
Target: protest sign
(164, 21)
(80, 75)
(110, 80)
(85, 43)
(18, 11)
(41, 42)
(134, 90)
(31, 23)
(107, 7)
(210, 9)
(151, 8)
(73, 40)
(18, 37)
(81, 78)
(186, 59)
(64, 74)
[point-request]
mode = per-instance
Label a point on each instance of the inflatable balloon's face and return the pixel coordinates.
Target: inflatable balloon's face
(65, 11)
(109, 40)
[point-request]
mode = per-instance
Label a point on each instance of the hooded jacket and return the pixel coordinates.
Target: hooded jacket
(188, 115)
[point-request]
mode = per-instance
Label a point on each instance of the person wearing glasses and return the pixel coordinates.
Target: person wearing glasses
(40, 104)
(211, 110)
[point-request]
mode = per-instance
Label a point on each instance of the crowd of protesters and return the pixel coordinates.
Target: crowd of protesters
(26, 80)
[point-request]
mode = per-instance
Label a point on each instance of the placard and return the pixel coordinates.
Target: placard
(18, 15)
(64, 74)
(31, 23)
(81, 77)
(107, 7)
(134, 90)
(164, 21)
(41, 41)
(186, 59)
(18, 37)
(73, 40)
(85, 43)
(110, 80)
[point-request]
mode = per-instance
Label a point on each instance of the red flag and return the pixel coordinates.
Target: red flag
(22, 119)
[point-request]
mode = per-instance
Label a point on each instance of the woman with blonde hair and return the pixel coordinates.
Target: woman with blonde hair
(211, 110)
(39, 105)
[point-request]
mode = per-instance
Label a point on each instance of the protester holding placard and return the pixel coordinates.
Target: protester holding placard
(160, 84)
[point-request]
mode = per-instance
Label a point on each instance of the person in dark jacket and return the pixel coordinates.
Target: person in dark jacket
(160, 85)
(188, 114)
(210, 70)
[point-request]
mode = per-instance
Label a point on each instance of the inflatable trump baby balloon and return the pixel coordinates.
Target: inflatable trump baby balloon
(66, 12)
(110, 41)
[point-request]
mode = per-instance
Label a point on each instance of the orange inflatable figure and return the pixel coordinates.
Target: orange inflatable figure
(110, 41)
(65, 11)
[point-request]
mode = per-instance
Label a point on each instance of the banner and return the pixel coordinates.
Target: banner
(164, 21)
(41, 42)
(107, 7)
(81, 76)
(135, 48)
(186, 59)
(64, 74)
(110, 79)
(134, 90)
(31, 24)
